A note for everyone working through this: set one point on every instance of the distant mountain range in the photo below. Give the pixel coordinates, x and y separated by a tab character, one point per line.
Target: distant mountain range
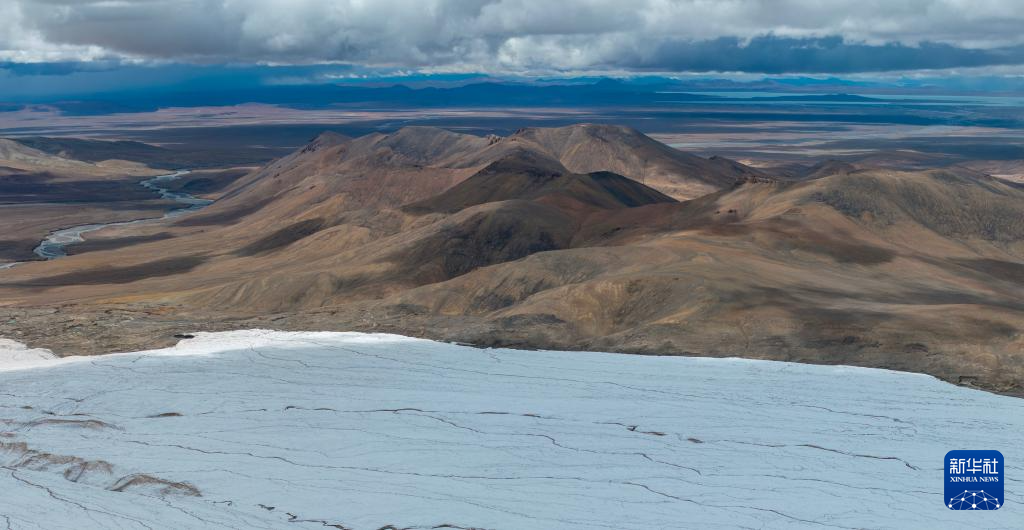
606	92
485	92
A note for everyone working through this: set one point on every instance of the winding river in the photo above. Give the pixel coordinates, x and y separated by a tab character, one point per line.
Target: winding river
55	245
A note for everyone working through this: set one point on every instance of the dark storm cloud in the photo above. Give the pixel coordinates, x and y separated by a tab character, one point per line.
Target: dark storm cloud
62	68
774	55
762	36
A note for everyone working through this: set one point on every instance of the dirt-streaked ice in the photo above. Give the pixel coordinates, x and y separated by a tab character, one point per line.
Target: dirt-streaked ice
259	429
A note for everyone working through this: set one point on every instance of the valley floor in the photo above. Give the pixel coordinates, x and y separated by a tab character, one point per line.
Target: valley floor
261	429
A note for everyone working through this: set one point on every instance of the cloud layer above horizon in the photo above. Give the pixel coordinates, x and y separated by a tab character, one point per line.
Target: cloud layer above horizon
525	36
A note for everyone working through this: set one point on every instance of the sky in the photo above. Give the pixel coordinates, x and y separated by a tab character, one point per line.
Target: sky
42	42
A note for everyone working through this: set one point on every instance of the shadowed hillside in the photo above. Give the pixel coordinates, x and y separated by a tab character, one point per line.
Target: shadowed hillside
581	237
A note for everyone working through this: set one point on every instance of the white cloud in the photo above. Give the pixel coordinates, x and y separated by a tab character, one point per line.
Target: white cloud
485	35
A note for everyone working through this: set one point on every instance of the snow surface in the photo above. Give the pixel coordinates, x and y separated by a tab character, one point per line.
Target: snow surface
261	429
14	355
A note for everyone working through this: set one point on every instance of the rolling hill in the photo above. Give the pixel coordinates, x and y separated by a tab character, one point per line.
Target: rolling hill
583	237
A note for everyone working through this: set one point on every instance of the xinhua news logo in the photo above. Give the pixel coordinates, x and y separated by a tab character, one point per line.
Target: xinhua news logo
974	480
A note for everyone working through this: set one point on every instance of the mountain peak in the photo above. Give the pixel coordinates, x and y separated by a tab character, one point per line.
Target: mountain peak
325	139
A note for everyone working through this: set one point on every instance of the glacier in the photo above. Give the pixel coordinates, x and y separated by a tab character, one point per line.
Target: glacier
269	429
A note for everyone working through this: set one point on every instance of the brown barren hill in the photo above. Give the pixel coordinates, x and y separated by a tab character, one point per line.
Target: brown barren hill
588	148
564	238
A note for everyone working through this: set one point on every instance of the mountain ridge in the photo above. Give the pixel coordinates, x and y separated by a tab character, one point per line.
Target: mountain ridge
496	241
